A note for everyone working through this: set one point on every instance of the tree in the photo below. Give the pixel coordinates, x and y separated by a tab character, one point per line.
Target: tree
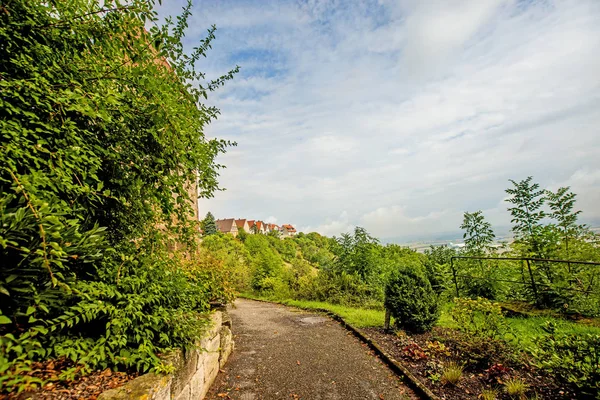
478	235
527	213
358	254
208	224
274	233
561	204
242	234
234	256
437	265
535	239
440	254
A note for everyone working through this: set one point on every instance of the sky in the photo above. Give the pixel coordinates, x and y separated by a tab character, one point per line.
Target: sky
399	116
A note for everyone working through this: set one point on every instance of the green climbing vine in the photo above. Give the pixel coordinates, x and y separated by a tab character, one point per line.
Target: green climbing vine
101	135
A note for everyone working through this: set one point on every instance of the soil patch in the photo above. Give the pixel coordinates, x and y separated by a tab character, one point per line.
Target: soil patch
85	387
487	364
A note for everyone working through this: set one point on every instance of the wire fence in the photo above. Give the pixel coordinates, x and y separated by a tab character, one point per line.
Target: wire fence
545	282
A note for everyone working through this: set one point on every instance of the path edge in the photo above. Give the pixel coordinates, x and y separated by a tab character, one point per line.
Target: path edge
391	362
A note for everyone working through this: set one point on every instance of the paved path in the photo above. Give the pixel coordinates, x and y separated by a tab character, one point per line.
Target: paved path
284	353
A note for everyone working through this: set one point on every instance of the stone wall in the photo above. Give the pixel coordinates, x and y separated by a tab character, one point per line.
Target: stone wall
194	372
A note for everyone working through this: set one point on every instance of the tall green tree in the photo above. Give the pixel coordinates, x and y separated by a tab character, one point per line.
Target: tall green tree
479	238
358	254
437	265
561	204
527	214
441	254
208	224
478	235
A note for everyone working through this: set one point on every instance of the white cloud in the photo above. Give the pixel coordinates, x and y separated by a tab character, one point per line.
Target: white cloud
418	109
585	180
271	220
332	227
393	221
436	30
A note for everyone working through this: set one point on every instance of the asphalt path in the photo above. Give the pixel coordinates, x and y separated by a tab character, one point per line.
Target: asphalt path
285	353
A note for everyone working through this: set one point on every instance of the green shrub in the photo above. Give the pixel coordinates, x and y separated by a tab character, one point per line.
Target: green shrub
341	288
480	317
234	256
574	359
411	300
266	263
482	330
274	287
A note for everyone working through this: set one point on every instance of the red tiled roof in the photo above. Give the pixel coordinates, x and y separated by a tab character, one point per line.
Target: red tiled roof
240	223
289	227
226	225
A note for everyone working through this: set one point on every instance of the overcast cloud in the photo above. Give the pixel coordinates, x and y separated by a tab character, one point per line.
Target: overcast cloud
400	115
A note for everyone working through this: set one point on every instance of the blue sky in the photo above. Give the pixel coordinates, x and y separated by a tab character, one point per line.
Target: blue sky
400	115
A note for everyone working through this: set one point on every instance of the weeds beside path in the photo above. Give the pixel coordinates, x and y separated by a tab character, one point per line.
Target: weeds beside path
357	317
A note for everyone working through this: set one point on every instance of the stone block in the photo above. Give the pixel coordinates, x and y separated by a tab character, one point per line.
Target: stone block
211	367
186	365
145	387
185	394
216	318
211	344
226	320
226	345
197	389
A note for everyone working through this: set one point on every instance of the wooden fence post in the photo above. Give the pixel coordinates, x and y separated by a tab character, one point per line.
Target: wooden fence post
386	325
454	275
537	299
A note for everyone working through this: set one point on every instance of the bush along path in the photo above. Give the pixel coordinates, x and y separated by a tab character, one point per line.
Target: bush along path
284	353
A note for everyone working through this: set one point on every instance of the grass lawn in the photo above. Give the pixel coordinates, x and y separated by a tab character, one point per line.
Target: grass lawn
525	329
358	317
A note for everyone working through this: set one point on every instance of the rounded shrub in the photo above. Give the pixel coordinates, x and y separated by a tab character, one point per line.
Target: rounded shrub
411	299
